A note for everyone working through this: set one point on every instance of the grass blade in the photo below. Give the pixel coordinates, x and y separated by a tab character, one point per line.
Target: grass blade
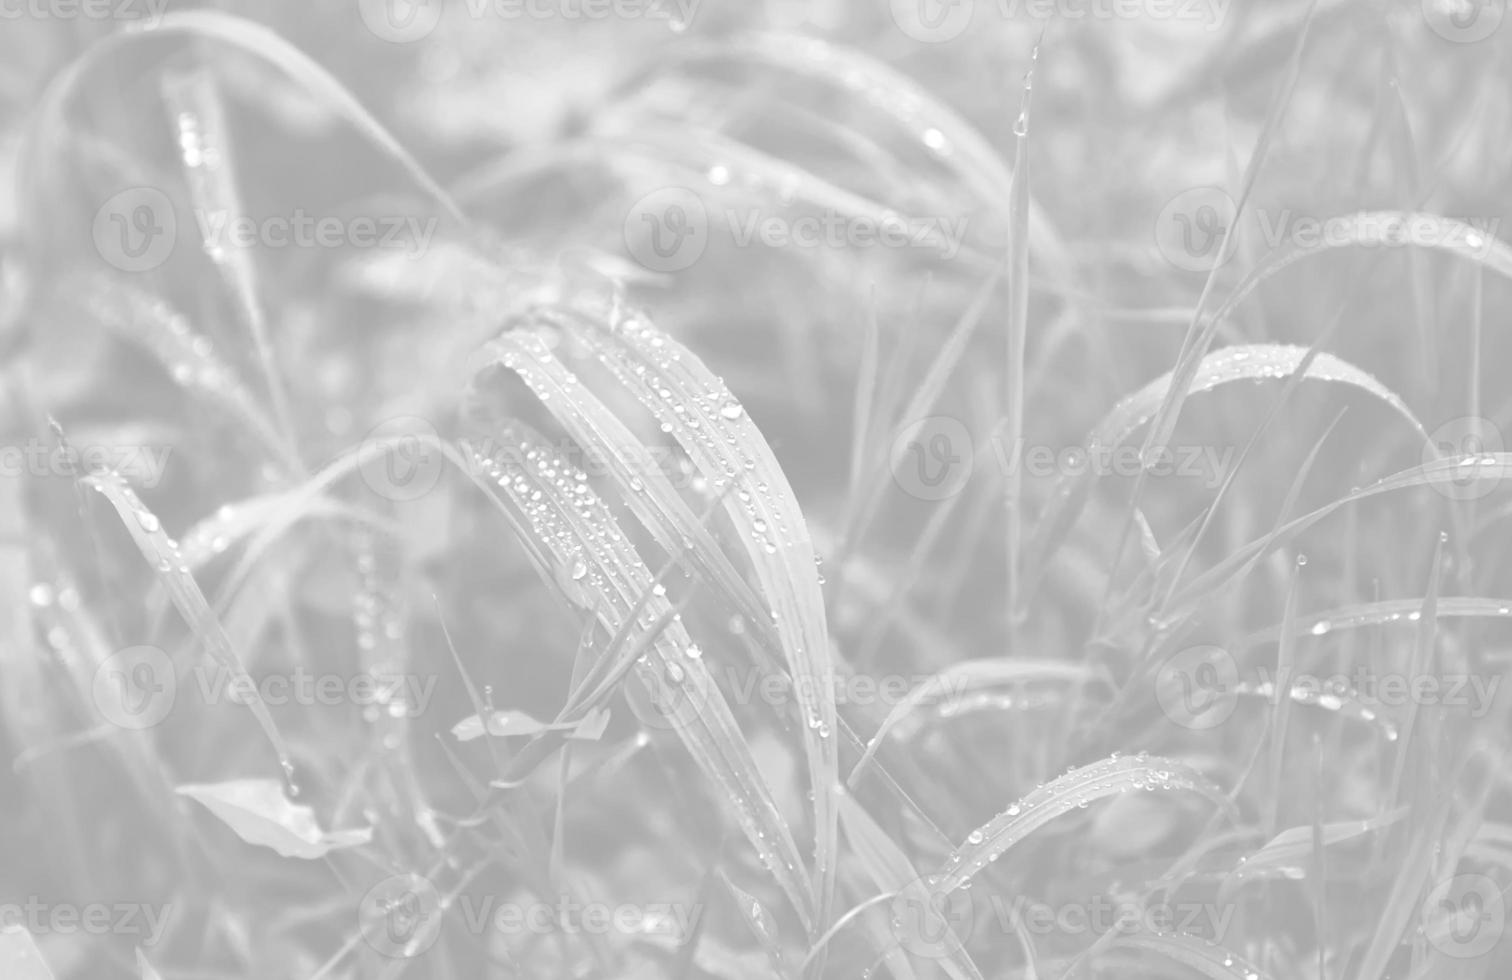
1099	780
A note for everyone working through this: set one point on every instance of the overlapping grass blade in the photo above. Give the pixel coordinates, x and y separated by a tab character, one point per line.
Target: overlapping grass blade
1018	334
585	553
1364	229
927	119
712	427
962	678
759	921
1209	959
244	35
1292	849
1454	471
1386	612
1194	346
1075	789
189	357
162	553
891	870
1248	362
526	350
208	160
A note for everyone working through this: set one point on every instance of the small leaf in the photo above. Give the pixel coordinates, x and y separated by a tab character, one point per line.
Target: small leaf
501	724
259	813
592	727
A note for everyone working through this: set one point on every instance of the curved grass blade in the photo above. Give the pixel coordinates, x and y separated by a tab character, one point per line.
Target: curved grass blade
585	553
892	871
1291	850
1458	471
162	553
759	921
526	350
1364	229
927	119
1248	362
1387	612
1209	959
1110	777
963	678
208	161
712	427
244	35
188	357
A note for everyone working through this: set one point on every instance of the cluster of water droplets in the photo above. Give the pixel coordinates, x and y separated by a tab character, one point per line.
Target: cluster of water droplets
1076	789
379	629
706	421
203	163
212	536
56	604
